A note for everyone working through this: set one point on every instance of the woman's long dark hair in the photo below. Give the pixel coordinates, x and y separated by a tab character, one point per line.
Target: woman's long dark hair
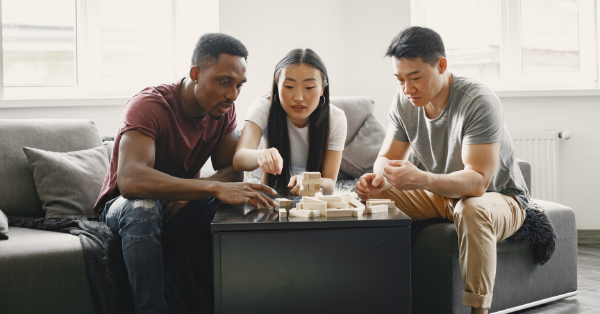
318	127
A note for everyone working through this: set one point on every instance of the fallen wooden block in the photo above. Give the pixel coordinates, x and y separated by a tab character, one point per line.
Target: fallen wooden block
308	199
356	203
317	206
339	205
299	205
331	198
339	213
283	202
377	209
390	204
304	213
358	211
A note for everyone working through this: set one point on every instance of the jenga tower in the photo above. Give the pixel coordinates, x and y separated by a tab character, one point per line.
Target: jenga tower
311	184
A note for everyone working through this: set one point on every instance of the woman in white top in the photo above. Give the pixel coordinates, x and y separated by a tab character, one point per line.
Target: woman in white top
295	131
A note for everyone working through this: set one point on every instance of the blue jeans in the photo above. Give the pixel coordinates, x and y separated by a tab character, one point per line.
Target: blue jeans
140	223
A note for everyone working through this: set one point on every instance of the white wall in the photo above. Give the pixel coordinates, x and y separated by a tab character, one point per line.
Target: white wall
579	166
349	35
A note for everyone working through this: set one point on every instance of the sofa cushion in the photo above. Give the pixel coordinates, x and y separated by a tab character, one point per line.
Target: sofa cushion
44	266
19	196
68	183
3	226
360	155
357	110
109	148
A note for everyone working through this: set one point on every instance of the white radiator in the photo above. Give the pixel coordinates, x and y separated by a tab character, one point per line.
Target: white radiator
540	149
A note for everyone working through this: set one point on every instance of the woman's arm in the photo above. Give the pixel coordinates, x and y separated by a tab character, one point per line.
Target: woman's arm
247	155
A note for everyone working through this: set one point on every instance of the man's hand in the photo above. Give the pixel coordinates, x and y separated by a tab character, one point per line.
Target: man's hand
170	208
369	185
403	175
295	184
248	193
270	161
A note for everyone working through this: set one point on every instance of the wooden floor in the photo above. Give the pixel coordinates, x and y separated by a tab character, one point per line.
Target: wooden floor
587	299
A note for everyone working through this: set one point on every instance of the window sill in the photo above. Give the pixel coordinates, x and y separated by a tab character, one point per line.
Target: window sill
548	93
64	102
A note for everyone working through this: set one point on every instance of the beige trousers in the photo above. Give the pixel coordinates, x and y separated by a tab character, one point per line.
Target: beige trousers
480	223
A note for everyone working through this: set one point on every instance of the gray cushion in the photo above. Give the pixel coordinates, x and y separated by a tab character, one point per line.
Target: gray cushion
357	110
3	226
360	155
20	196
109	145
43	272
68	183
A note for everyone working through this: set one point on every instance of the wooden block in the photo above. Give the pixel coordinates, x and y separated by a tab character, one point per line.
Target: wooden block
339	205
283	202
339	213
304	213
313	206
310	181
358	211
308	199
310	192
377	209
299	205
390	204
282	214
356	203
331	198
310	186
312	175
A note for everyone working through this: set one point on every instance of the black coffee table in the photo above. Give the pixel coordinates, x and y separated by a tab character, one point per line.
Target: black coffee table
310	265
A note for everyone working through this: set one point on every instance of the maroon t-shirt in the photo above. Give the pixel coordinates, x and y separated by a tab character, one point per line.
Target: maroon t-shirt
183	144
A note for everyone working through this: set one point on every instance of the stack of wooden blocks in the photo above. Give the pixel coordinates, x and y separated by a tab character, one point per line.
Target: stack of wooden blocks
310	184
326	206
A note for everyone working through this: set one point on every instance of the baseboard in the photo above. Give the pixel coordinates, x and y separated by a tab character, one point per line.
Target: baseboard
588	236
536	303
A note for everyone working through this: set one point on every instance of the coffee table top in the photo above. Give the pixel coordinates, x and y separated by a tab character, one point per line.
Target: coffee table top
245	217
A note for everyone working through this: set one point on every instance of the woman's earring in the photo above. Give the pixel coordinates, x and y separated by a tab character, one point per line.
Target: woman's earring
323	101
276	98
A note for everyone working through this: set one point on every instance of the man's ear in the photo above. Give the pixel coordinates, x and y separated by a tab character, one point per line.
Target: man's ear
194	72
442	64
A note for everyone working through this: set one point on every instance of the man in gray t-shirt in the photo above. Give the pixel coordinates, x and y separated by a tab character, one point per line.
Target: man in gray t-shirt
462	167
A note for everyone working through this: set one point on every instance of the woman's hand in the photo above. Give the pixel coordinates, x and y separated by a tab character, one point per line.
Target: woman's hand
270	161
295	183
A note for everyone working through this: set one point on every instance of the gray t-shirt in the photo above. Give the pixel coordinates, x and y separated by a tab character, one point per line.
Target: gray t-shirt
473	115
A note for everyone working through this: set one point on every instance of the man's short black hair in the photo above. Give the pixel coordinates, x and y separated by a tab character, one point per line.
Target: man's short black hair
417	42
211	45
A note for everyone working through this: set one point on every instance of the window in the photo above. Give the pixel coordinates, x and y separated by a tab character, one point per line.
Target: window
517	44
65	48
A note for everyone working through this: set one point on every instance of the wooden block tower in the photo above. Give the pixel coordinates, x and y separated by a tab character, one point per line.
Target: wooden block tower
311	184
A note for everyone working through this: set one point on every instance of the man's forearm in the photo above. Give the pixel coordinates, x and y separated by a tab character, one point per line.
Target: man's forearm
225	174
457	184
145	182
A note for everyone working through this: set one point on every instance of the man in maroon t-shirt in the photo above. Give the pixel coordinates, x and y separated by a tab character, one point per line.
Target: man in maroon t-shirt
166	134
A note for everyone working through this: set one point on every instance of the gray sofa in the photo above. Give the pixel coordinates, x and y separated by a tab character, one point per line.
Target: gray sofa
44	271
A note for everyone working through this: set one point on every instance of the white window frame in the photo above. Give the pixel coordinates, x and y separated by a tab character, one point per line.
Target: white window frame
90	83
512	78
